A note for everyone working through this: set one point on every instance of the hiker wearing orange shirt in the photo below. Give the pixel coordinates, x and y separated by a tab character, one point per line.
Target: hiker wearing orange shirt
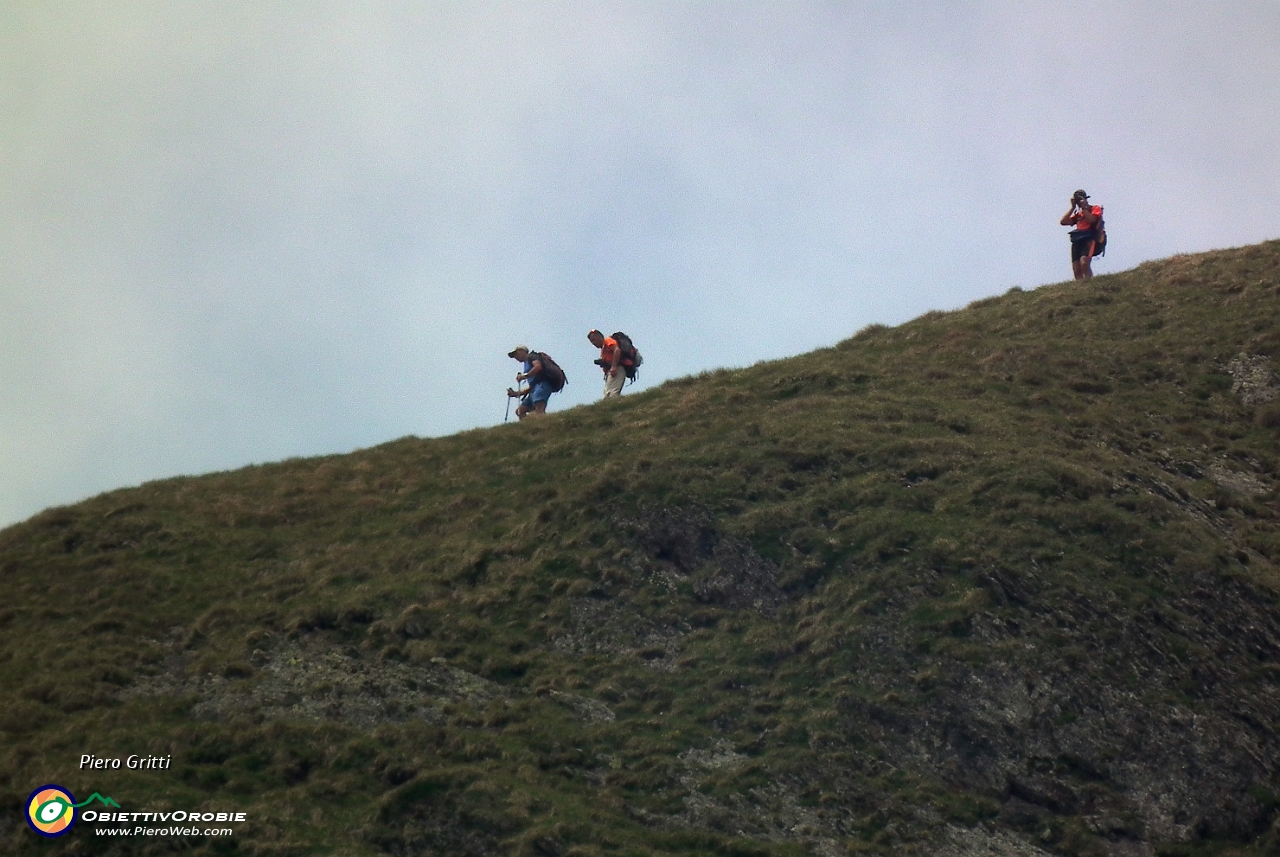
610	361
1084	237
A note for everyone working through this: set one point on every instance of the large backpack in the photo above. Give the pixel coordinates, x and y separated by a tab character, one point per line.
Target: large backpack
631	358
550	370
1100	236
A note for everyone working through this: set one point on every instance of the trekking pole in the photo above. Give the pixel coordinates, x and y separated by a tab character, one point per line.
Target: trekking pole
509	398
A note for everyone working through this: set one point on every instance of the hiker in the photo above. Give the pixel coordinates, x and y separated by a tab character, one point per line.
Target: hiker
618	359
544	378
1085	243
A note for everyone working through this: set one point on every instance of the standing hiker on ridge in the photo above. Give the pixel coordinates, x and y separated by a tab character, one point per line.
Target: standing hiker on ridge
544	378
618	359
1088	237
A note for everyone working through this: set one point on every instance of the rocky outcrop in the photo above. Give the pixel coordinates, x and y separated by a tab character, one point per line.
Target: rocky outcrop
1253	380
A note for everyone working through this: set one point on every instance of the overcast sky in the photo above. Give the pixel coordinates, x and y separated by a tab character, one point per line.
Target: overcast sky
237	232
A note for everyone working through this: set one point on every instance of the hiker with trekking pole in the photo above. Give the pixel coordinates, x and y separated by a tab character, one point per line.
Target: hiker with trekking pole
618	358
1089	235
544	377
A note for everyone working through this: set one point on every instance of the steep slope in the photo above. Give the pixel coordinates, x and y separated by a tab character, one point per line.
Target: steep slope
996	581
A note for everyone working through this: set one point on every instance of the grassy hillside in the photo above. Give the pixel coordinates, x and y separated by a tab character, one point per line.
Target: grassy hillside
1000	581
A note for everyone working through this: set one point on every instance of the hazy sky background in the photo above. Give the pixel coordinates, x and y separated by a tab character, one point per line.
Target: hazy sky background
237	232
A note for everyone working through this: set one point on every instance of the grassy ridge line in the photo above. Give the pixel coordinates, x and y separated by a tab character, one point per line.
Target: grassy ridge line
922	474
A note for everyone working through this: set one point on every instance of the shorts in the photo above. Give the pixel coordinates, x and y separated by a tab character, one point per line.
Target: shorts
613	383
1082	245
540	392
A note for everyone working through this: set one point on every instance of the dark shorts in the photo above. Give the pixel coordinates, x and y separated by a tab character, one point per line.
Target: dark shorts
1082	245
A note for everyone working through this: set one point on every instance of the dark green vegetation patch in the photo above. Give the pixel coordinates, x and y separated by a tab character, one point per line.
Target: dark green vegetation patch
997	581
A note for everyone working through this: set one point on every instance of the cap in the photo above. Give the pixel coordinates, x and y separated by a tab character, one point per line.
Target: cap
512	352
1080	194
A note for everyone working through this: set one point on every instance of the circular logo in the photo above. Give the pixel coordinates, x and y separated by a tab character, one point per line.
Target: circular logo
51	810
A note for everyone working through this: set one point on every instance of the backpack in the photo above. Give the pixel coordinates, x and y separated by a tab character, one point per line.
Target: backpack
550	370
631	358
1100	236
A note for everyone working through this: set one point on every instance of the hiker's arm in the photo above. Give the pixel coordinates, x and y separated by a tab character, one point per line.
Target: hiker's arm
1088	219
535	369
617	359
1066	218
